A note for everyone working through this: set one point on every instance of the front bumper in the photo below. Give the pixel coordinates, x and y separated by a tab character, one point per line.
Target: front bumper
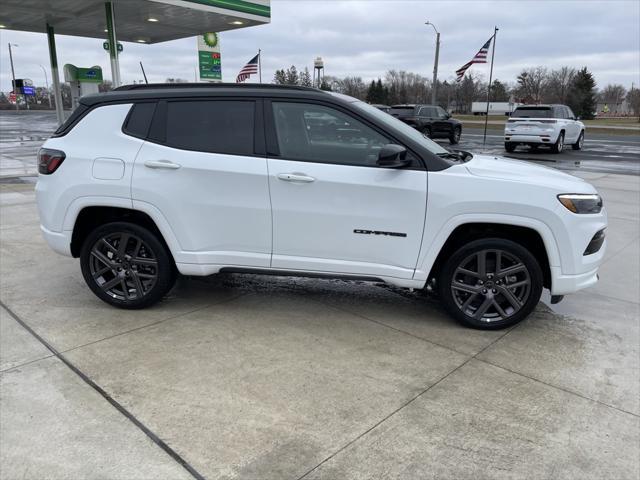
565	284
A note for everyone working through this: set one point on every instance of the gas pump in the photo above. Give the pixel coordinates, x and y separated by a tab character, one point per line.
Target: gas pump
83	81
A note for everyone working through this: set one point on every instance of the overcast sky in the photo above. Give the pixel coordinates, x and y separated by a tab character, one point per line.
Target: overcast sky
367	38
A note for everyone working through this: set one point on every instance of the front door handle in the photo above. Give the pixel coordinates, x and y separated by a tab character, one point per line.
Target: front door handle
295	177
162	164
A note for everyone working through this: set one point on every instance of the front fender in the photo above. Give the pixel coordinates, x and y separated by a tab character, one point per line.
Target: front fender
432	247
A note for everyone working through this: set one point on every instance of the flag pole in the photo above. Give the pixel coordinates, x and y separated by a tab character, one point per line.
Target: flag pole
486	113
260	64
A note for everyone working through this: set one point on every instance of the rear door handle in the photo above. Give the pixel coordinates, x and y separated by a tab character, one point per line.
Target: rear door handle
162	164
295	177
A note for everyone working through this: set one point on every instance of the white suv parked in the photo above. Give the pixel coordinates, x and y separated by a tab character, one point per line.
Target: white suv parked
551	125
147	181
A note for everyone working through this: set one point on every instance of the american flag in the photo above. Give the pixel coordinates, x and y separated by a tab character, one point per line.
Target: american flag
249	69
480	57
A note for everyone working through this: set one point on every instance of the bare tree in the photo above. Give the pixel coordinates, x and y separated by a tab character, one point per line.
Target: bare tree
352	86
531	83
407	87
633	97
470	89
558	85
613	94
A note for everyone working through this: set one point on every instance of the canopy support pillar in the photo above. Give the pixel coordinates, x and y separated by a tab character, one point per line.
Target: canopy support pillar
55	76
113	45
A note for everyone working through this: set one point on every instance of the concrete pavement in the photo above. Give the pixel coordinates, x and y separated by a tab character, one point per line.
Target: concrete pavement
267	377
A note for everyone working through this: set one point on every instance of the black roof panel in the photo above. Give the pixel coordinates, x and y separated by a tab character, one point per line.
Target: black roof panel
184	90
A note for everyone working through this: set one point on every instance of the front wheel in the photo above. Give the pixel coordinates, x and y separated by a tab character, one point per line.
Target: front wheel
509	146
426	131
454	138
126	265
490	283
578	145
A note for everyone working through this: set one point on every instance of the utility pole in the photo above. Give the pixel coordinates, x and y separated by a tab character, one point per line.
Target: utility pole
13	75
434	86
46	82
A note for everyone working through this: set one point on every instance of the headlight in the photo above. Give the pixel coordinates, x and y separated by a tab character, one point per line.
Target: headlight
581	203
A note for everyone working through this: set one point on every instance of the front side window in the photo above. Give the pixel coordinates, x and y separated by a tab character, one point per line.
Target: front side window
215	126
441	113
316	133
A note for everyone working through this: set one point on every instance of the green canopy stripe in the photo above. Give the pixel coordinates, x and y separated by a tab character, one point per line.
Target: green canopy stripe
237	5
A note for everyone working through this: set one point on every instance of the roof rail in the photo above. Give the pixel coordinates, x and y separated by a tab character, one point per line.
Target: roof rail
160	86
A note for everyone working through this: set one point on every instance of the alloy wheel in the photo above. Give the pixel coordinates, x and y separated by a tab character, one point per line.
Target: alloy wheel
123	266
491	285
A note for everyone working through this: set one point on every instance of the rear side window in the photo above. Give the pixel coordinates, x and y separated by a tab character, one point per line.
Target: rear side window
532	112
139	119
215	126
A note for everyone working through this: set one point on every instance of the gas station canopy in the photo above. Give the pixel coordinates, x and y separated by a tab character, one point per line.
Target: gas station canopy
144	21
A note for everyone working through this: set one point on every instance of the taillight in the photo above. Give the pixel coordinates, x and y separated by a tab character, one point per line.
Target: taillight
49	160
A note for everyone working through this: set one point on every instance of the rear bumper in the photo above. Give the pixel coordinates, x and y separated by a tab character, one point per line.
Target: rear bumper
541	139
59	242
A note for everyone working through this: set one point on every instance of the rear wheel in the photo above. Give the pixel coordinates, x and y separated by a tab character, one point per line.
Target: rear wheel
559	145
126	265
509	146
578	145
490	283
454	138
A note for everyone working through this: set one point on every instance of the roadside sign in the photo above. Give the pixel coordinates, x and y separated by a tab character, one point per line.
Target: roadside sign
28	90
12	97
209	59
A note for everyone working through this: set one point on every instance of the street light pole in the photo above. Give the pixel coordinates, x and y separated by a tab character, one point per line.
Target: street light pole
46	82
434	87
13	75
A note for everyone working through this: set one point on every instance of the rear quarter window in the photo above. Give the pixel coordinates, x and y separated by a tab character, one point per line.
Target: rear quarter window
139	119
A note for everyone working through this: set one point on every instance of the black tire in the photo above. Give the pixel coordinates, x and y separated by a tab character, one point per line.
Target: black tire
559	145
579	142
454	138
426	131
143	265
491	288
509	146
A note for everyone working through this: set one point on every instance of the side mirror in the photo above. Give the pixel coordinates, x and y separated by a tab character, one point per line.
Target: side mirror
393	156
577	118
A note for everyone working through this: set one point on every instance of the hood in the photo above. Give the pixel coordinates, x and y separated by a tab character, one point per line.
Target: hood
527	172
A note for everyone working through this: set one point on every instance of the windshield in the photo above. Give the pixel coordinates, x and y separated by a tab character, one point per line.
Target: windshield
396	124
532	113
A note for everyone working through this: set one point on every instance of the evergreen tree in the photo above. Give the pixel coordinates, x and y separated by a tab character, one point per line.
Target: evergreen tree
372	93
305	78
291	76
280	77
583	95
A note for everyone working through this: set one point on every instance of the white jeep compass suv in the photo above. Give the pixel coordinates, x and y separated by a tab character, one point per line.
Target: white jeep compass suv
537	125
150	180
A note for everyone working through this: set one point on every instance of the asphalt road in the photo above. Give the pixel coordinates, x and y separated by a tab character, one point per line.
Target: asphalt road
601	153
22	133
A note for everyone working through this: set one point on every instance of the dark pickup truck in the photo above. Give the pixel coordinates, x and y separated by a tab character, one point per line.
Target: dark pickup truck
431	120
